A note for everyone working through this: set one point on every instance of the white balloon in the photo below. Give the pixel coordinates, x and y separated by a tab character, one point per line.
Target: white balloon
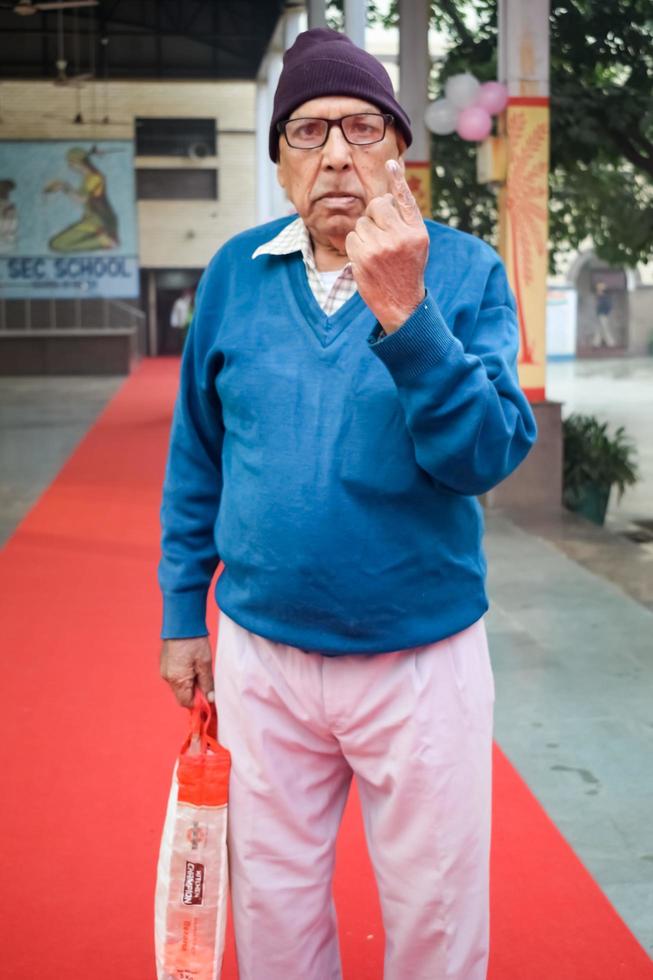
441	117
462	90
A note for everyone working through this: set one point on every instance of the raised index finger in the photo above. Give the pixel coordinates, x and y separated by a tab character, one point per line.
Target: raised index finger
406	203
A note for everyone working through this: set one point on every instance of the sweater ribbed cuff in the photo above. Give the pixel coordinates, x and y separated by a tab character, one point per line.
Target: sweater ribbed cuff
423	341
184	615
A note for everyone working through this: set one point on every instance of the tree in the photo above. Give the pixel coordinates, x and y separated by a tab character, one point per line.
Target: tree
601	182
602	127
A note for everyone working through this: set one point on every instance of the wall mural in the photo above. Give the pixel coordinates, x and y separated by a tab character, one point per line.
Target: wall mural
67	220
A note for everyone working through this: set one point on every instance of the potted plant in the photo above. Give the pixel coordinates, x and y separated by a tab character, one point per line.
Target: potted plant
594	462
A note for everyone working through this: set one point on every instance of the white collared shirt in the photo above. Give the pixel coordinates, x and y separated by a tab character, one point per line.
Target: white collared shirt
330	293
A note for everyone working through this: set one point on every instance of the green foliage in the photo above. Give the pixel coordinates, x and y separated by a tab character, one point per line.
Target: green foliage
376	14
602	127
591	455
601	123
457	198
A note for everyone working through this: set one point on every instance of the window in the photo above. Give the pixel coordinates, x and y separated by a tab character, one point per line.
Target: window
176	185
176	137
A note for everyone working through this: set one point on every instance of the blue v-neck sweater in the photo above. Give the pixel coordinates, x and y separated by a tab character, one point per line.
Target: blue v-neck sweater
333	470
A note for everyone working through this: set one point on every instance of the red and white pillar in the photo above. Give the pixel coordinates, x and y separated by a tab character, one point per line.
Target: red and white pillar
523	201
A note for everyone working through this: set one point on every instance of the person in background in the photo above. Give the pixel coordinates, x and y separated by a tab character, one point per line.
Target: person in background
349	386
181	314
603	333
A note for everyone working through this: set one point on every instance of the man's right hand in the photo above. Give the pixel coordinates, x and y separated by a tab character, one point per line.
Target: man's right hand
185	663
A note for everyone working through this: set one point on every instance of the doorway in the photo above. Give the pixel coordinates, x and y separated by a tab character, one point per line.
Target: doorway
165	287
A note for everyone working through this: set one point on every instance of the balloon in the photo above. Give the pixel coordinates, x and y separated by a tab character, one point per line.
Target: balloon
441	117
474	123
462	90
493	97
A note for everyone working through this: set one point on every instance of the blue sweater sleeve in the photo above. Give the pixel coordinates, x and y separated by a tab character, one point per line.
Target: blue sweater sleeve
192	487
469	420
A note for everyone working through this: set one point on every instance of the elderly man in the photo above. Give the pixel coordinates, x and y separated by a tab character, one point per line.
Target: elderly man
348	387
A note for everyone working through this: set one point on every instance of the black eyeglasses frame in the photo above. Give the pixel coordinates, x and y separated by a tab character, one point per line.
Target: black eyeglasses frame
388	120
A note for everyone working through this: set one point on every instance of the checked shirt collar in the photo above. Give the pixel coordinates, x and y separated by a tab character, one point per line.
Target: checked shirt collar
295	238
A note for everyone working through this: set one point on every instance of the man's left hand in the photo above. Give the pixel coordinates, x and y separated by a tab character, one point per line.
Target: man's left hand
388	250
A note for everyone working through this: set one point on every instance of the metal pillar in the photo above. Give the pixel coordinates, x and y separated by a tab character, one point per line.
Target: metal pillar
152	323
414	67
270	198
316	10
356	21
262	189
278	200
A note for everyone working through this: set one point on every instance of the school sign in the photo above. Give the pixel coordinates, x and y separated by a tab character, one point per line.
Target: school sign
67	220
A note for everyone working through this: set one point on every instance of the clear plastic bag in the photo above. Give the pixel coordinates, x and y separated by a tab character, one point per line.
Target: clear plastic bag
190	909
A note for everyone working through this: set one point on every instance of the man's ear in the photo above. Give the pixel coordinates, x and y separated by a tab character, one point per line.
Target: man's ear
281	175
401	151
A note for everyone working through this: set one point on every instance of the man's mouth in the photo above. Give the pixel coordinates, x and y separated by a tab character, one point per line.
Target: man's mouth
338	197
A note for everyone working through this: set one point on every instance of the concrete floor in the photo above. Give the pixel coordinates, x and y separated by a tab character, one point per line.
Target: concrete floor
570	623
41	421
573	667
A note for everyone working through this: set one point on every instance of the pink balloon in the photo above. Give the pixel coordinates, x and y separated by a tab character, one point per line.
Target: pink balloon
474	123
493	97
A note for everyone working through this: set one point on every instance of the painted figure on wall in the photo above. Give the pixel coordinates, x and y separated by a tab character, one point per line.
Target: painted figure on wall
8	216
98	227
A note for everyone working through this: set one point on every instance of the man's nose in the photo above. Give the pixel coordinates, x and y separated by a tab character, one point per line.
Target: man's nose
336	152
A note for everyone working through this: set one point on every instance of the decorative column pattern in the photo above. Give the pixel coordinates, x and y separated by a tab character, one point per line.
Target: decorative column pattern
523	202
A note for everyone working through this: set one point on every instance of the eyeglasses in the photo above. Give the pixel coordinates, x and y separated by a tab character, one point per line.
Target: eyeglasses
359	129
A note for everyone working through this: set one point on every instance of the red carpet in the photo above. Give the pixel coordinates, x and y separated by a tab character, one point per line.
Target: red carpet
89	735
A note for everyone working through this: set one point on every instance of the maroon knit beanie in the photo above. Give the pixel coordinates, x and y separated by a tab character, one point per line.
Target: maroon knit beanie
324	62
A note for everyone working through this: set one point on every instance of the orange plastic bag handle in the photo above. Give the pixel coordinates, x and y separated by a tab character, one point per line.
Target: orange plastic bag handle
204	764
203	725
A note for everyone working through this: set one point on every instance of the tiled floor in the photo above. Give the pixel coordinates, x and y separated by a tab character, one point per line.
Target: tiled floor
570	639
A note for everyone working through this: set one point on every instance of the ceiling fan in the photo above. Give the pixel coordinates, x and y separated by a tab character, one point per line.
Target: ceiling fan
27	7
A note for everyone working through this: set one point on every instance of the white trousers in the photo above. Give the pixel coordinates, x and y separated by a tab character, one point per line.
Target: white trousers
602	332
415	727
